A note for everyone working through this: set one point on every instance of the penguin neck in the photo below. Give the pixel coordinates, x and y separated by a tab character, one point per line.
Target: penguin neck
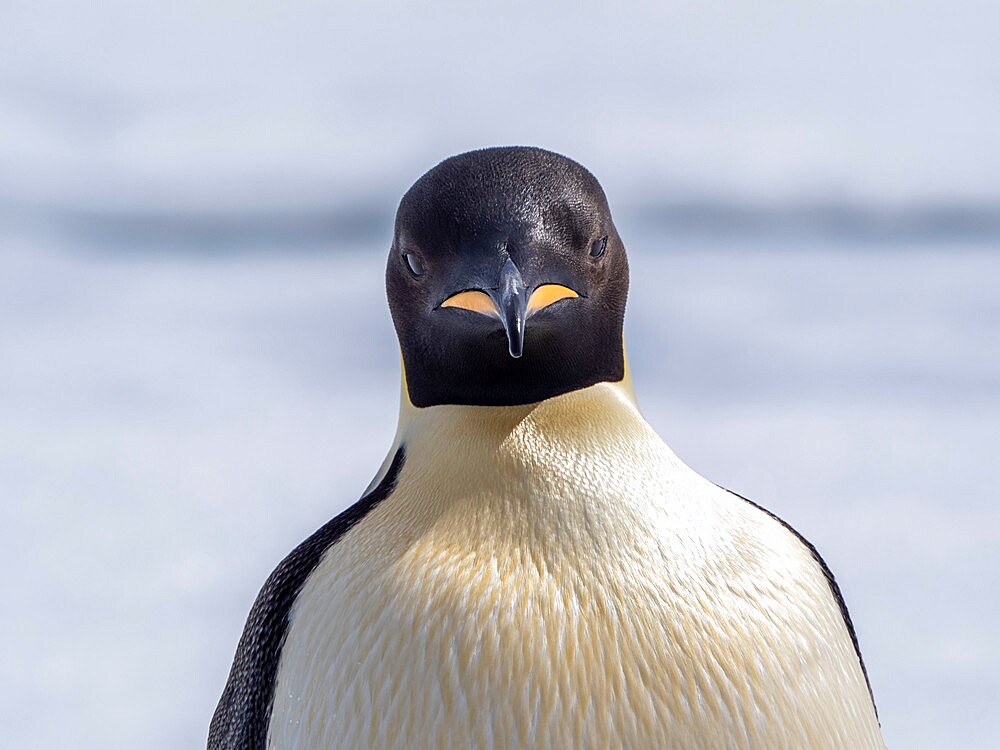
581	414
465	437
582	460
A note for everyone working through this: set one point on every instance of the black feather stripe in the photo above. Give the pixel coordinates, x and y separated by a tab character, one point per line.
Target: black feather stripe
244	711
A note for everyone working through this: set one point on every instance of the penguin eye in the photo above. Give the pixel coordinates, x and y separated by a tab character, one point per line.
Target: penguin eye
414	263
597	249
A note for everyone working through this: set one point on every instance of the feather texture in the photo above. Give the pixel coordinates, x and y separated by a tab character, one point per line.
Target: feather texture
552	575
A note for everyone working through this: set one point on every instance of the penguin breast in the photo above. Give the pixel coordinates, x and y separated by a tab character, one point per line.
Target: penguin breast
556	585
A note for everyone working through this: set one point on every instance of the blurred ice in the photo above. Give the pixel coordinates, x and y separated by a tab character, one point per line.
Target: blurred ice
198	106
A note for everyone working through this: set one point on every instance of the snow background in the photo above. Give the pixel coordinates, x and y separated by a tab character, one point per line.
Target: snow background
197	367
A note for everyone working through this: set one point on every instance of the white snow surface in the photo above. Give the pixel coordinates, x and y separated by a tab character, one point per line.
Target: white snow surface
172	425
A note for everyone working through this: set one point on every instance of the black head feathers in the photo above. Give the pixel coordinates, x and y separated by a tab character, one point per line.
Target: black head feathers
506	280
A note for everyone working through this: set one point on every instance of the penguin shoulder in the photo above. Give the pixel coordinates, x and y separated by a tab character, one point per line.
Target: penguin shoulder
243	713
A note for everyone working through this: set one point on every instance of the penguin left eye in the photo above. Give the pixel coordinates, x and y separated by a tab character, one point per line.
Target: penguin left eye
597	249
414	263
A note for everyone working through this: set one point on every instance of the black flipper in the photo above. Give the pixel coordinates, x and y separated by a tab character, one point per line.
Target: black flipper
244	711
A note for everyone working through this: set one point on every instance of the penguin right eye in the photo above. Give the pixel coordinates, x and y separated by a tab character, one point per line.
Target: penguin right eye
597	249
414	263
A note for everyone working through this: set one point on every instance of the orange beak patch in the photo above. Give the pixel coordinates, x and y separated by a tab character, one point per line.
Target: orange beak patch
474	300
546	294
482	303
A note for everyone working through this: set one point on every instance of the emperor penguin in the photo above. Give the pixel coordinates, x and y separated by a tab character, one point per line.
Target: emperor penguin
532	566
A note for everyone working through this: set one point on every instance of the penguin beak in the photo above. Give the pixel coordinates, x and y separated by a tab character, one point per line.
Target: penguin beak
510	303
511	298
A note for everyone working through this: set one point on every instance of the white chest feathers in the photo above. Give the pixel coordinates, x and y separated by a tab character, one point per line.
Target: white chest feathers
554	577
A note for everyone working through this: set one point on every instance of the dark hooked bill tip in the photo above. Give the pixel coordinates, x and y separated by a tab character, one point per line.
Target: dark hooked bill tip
512	300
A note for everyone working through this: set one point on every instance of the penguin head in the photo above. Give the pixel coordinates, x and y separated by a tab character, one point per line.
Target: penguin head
506	280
